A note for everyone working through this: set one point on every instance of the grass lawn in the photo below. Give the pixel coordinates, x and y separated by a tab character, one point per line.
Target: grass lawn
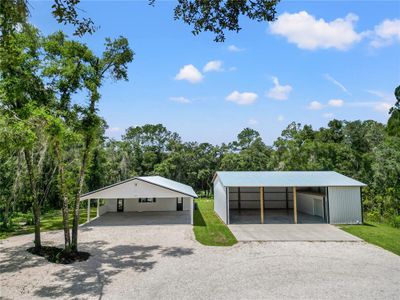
208	228
51	220
382	235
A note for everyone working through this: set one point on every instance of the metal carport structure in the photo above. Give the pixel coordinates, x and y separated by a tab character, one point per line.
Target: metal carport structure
334	196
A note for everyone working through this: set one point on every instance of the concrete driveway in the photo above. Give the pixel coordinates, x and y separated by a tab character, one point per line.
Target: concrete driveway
141	218
290	233
165	262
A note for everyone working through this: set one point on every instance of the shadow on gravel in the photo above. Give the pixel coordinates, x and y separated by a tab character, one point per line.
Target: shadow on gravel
17	259
89	278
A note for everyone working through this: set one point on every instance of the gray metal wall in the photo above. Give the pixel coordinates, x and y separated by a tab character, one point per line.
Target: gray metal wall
220	203
345	205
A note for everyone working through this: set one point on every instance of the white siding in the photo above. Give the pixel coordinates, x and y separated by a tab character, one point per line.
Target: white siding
161	204
220	200
345	205
311	204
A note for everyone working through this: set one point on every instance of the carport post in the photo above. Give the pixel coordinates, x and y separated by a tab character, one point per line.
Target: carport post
98	206
294	205
88	210
262	204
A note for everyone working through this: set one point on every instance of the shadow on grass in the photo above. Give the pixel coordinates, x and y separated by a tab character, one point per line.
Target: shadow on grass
198	218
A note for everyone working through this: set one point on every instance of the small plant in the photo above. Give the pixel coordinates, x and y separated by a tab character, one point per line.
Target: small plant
395	222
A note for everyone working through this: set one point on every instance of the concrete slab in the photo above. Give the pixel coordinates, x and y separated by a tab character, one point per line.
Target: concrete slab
272	216
290	232
141	218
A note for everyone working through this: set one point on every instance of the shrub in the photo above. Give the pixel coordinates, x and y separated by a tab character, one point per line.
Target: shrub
395	222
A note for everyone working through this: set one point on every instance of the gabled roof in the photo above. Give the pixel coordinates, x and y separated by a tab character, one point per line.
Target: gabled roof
159	181
169	184
285	179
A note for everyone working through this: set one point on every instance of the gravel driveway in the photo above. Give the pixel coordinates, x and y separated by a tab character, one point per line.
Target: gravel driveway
164	261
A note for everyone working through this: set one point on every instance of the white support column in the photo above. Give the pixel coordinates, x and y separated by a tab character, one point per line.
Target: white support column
191	210
88	210
98	208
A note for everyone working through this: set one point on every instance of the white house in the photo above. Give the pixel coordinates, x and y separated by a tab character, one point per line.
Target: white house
287	197
143	194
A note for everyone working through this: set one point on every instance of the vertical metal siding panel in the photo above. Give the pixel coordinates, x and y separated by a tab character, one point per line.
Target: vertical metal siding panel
344	205
220	200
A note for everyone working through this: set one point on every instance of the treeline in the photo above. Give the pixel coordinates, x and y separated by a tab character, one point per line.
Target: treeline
361	149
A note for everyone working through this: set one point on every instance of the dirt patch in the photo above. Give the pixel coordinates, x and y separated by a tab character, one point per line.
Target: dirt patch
58	255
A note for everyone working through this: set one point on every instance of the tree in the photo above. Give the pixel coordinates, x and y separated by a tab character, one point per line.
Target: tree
113	63
393	125
215	16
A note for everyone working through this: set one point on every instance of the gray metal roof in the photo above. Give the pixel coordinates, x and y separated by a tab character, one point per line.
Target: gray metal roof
156	180
169	184
285	179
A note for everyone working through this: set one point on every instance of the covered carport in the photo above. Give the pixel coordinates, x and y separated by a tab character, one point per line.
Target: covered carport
287	197
142	200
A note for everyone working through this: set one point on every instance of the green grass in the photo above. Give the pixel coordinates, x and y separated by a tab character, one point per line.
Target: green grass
382	235
51	220
208	228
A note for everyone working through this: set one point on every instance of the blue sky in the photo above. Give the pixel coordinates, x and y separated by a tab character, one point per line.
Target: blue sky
318	61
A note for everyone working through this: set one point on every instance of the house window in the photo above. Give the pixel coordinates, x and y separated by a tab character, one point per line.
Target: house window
147	200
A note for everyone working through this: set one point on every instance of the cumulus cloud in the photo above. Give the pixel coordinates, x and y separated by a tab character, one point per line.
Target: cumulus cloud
180	99
213	66
244	98
315	105
310	33
189	73
336	82
279	92
336	102
385	33
234	48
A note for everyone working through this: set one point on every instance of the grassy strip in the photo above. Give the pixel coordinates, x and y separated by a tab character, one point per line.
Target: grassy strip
208	228
382	235
51	220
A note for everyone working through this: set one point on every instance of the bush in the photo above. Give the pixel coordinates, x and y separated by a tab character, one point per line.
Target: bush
373	216
395	222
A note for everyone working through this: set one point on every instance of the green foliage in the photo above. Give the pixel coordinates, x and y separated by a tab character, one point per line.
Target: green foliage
218	16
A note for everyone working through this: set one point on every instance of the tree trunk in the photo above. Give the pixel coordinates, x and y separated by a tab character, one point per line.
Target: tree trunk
35	200
75	222
64	209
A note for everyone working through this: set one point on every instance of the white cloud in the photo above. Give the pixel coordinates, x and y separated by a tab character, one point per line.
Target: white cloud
281	118
337	83
336	102
244	98
310	33
279	92
382	106
385	33
252	122
113	129
180	99
213	66
328	115
315	105
232	69
234	48
189	73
